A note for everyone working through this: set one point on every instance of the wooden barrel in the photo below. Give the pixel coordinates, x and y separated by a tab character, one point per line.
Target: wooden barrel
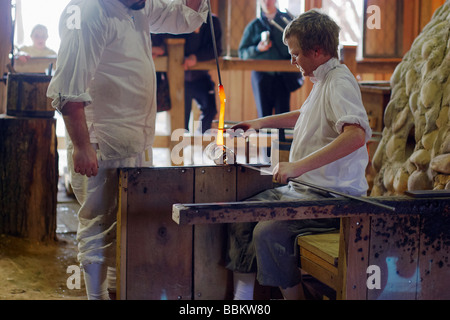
27	96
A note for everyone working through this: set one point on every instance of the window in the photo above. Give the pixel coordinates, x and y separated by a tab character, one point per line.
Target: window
348	14
295	7
32	12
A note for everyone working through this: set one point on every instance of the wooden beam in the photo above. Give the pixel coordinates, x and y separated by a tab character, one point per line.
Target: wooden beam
368	65
35	64
5	46
229	63
353	248
248	211
386	65
175	73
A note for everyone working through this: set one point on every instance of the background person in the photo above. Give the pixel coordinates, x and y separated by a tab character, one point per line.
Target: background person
262	40
39	36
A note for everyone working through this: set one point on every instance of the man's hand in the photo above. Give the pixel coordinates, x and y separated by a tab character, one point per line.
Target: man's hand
158	51
24	58
190	61
85	161
84	156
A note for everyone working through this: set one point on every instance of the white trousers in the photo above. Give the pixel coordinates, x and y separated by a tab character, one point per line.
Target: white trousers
98	197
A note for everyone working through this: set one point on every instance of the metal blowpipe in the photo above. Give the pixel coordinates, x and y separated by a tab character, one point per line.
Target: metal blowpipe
310	185
213	35
222	96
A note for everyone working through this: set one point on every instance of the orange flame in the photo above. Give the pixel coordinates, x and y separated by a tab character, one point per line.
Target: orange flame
221	129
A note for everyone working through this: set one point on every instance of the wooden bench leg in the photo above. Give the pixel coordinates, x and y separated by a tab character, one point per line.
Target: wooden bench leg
353	258
347	274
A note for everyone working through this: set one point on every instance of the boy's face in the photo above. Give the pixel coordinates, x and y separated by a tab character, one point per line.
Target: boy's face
304	62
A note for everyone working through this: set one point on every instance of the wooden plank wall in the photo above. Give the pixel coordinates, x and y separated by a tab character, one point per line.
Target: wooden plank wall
158	259
5	47
147	251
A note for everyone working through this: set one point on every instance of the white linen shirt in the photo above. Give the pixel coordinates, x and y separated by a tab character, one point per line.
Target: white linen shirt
106	62
334	101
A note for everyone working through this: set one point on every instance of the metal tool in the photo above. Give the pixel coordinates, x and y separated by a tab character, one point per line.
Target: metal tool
221	90
286	20
222	155
330	191
213	35
276	25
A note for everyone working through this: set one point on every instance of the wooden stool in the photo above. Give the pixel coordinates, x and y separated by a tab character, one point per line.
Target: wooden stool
319	257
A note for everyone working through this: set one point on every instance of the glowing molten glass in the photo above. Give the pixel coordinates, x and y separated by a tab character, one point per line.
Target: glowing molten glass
221	129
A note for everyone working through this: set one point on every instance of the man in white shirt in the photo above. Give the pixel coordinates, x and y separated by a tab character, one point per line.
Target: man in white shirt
105	88
328	149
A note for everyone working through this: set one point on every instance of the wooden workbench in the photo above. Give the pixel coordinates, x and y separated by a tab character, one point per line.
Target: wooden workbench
411	246
158	259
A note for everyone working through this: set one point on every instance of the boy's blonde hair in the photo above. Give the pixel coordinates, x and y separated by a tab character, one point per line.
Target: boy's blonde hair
314	29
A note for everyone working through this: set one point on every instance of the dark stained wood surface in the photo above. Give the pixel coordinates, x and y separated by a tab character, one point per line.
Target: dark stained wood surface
29	178
158	259
302	209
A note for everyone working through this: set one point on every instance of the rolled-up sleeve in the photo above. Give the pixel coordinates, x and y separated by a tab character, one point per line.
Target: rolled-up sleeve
347	108
78	58
175	17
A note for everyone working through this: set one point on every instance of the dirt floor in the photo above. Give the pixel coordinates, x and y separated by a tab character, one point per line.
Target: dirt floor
37	271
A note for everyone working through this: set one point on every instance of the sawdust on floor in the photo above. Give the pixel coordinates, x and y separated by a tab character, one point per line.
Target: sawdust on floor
38	271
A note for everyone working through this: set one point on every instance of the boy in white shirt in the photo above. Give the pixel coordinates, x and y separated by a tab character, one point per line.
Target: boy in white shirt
328	149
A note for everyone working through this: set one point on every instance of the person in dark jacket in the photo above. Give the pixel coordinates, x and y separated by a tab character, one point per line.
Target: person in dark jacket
262	39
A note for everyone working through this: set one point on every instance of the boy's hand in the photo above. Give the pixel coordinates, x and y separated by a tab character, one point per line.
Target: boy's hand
283	171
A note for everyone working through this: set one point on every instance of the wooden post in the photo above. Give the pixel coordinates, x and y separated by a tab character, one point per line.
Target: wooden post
209	240
5	47
353	248
175	74
29	177
348	57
